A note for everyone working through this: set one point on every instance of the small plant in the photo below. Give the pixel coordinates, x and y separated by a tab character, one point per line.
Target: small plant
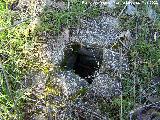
16	45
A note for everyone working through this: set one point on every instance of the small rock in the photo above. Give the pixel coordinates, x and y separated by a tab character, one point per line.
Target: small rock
112	3
152	14
158	2
70	82
131	9
147	112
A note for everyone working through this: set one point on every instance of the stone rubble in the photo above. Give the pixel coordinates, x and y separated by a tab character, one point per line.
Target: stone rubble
100	31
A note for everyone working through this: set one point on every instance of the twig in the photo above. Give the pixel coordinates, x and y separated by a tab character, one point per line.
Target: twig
122	11
123	44
120	76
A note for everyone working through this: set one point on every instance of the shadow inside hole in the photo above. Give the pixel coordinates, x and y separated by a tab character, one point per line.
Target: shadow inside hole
84	61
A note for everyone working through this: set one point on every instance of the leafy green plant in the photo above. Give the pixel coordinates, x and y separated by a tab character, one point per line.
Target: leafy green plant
55	21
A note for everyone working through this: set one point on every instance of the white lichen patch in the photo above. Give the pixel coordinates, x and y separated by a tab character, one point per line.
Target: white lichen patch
102	30
115	61
105	86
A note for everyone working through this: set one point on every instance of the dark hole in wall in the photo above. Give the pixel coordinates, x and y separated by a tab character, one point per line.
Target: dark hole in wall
84	61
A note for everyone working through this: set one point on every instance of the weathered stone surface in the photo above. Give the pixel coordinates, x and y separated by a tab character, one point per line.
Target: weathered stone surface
104	86
55	46
70	82
151	92
147	112
114	61
55	4
80	110
101	31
